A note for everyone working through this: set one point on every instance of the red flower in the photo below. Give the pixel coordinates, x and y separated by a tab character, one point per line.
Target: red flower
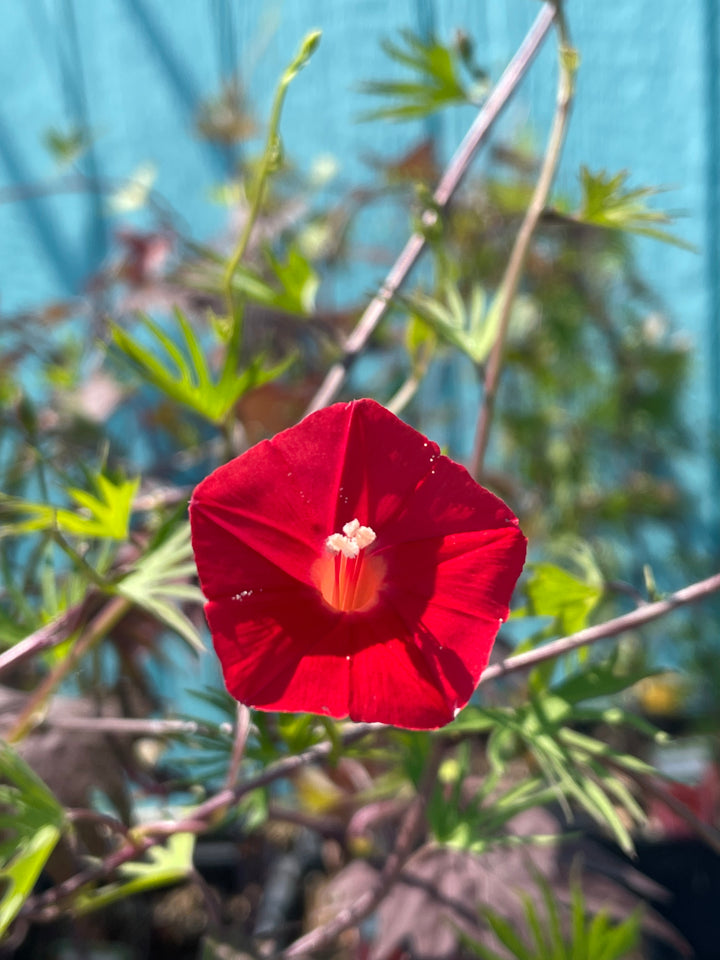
352	570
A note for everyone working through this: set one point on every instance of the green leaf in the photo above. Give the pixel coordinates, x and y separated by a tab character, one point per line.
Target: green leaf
167	864
554	592
587	938
31	827
187	378
298	281
438	82
20	875
508	937
107	511
465	325
598	680
293	292
621	940
472	720
606	202
573	766
596	801
158	584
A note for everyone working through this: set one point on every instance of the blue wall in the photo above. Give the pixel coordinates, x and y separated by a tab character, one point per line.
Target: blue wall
135	71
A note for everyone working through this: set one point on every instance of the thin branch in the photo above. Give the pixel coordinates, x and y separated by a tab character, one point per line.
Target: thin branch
242	729
47	905
53	633
611	628
133	726
77	815
516	263
449	183
317	940
404	394
110	614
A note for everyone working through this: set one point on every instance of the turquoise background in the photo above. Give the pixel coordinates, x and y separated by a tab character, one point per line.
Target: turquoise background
135	72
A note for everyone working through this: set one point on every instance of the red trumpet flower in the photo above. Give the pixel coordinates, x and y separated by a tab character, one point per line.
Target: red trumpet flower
351	570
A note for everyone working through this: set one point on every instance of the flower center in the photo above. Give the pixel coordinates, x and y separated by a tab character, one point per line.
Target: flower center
346	577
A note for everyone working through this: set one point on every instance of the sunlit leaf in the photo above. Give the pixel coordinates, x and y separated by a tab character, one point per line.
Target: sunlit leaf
30	826
573	766
184	374
159	584
102	513
587	936
599	680
465	324
293	291
607	202
553	592
171	862
438	80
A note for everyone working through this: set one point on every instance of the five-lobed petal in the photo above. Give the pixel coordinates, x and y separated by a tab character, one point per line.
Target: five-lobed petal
309	612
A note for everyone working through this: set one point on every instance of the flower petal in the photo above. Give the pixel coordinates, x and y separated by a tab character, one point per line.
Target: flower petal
447	501
279	498
450	553
384	461
391	681
280	650
472	573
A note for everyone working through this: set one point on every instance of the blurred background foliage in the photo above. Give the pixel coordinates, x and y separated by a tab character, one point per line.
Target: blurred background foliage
114	403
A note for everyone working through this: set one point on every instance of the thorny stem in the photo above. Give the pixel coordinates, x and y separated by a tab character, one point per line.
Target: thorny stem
111	613
516	263
449	183
319	939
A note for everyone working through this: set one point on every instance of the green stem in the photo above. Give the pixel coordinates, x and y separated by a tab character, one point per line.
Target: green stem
514	270
267	164
79	561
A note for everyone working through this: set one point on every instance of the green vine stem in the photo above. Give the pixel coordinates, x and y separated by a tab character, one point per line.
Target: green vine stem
269	162
567	66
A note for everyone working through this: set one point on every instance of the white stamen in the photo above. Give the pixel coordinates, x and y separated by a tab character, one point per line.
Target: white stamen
364	537
350	529
344	545
355	539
